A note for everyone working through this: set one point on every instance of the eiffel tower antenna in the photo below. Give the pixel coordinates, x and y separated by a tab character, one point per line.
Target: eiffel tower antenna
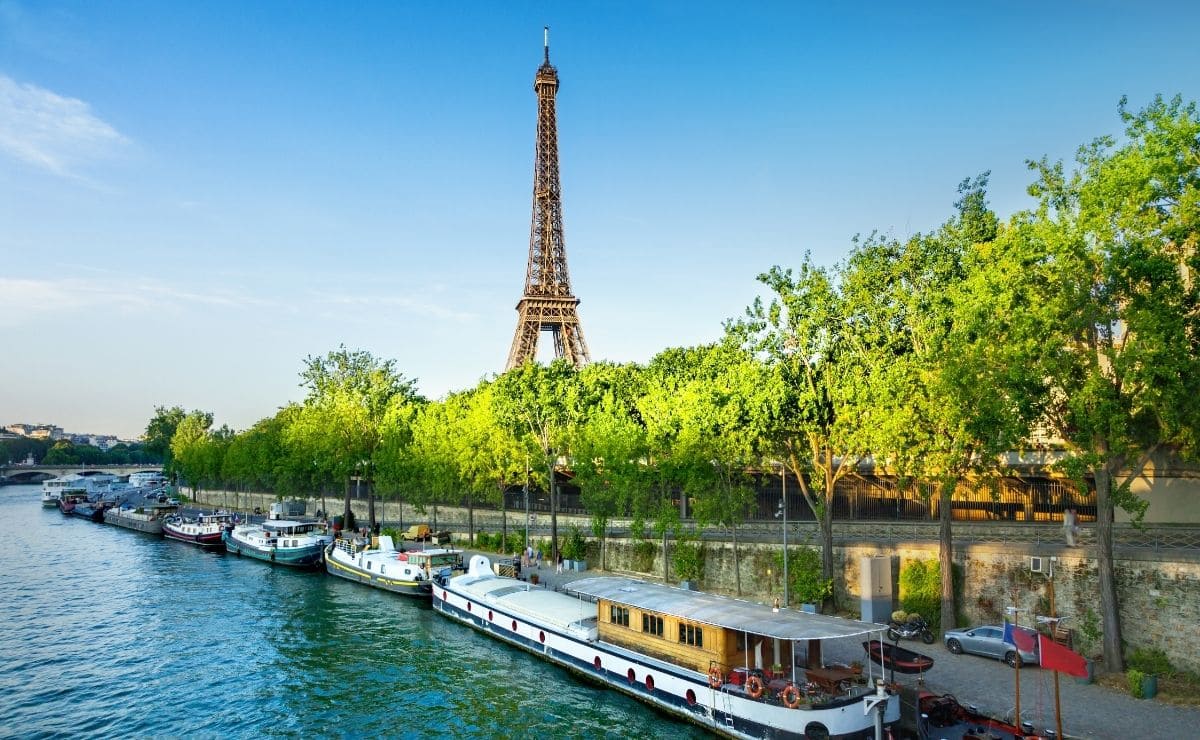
547	304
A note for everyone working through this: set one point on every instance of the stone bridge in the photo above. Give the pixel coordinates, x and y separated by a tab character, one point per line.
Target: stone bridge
17	474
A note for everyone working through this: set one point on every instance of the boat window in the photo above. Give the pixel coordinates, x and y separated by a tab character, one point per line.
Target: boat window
618	615
652	624
690	634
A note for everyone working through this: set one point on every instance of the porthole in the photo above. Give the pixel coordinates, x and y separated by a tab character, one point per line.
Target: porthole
649	682
691	697
596	662
514	625
542	637
469	606
490	617
631	676
816	731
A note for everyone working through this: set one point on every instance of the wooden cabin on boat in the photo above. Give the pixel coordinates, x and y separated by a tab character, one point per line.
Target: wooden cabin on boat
704	632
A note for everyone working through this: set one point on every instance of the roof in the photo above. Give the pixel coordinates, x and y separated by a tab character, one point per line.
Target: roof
720	611
537	604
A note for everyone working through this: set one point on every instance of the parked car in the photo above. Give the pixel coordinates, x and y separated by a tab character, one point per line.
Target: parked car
987	640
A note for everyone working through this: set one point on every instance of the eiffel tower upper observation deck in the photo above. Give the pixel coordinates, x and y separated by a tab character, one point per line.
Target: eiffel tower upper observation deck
547	304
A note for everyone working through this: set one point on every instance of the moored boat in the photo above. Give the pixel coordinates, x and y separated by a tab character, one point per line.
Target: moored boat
148	518
55	489
282	541
942	717
204	530
894	657
382	567
694	655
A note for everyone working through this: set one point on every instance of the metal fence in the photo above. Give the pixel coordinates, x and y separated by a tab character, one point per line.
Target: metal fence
875	498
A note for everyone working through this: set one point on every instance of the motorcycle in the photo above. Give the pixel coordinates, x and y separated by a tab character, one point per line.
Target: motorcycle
909	626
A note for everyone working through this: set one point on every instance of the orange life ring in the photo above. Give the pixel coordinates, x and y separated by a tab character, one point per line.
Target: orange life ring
790	696
714	677
754	687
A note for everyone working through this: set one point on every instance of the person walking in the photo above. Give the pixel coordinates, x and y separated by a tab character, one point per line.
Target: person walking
558	568
1070	526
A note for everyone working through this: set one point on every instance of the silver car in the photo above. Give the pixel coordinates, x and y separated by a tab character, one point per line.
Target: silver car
987	640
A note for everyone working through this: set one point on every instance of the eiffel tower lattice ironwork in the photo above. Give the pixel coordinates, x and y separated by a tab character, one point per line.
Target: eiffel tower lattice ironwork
548	303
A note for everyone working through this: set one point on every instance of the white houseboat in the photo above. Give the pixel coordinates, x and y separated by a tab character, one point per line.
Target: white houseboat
90	485
408	572
699	656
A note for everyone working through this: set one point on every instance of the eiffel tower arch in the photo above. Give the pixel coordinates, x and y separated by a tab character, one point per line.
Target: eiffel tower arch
547	303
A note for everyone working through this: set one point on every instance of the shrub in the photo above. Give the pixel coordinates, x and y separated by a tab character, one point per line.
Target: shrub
921	590
805	585
643	556
575	547
1134	677
1088	633
688	560
1150	661
516	541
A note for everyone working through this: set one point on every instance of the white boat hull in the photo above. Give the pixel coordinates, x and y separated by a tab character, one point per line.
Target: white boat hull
670	688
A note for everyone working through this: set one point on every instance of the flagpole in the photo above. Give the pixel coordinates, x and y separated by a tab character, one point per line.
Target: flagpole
1016	666
1053	633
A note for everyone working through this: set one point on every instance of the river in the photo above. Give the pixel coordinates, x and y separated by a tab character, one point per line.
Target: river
110	632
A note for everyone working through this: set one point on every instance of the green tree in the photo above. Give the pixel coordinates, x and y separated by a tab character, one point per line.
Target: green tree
820	364
1113	248
340	423
703	410
958	389
538	404
191	451
160	430
608	446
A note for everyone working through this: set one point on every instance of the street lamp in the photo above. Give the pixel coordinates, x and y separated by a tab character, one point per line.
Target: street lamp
526	489
782	512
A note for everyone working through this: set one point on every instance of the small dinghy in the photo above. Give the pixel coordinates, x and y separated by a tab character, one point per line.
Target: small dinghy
901	660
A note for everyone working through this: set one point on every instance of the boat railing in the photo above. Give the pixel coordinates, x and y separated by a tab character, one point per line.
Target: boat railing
776	687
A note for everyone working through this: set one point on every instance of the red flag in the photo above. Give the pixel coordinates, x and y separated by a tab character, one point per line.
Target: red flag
1019	636
1055	657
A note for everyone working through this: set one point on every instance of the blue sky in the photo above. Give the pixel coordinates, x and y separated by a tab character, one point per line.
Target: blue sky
196	196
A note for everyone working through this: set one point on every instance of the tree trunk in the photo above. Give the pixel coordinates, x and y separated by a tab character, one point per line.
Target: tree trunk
371	504
471	521
503	520
553	513
737	568
827	540
1110	614
347	515
666	569
946	554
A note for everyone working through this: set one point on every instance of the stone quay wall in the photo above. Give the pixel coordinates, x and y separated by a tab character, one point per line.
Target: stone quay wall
1158	590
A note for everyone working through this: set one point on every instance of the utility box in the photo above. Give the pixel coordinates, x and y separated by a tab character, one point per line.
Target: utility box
875	588
287	509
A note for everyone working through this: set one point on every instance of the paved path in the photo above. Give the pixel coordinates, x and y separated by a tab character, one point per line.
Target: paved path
1089	710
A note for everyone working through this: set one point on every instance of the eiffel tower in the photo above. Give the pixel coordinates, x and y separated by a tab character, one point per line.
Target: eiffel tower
547	303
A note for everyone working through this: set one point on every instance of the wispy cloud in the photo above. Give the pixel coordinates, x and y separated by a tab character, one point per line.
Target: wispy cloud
405	304
31	299
51	132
